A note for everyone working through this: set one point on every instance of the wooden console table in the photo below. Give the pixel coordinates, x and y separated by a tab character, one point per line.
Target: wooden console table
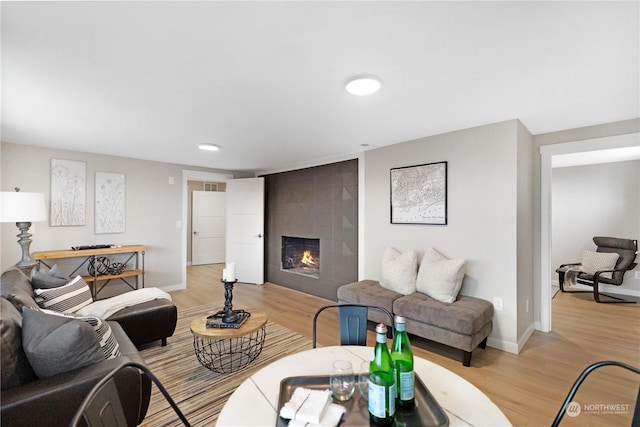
136	252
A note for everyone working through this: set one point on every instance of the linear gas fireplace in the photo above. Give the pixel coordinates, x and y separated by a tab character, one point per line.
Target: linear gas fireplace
301	256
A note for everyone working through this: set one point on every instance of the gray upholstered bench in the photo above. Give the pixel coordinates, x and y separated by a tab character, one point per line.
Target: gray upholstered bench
464	324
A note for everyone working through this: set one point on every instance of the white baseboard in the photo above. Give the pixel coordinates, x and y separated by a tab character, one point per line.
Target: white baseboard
502	345
530	330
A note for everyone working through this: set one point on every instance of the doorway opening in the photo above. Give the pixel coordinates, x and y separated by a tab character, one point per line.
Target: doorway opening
185	222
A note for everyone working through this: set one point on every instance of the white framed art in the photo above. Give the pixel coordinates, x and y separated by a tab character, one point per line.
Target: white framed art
110	212
68	193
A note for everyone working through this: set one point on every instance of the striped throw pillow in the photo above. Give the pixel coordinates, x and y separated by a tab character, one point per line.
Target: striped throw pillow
108	342
68	298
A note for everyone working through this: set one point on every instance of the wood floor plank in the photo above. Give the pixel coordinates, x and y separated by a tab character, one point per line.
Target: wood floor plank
529	387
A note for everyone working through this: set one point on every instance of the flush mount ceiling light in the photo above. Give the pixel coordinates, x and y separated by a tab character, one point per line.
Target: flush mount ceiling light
363	85
208	147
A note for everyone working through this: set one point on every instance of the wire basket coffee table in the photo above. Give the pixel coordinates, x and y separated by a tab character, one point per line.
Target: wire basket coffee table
226	350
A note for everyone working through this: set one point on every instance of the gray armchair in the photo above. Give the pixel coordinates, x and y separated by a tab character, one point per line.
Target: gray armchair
627	251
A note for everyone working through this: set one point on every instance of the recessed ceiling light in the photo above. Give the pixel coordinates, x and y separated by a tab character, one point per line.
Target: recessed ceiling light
208	147
363	86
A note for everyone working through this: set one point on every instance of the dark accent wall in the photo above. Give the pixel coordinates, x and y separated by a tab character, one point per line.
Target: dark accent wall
318	202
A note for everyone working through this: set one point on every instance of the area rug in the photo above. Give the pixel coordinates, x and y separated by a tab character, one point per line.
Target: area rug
199	392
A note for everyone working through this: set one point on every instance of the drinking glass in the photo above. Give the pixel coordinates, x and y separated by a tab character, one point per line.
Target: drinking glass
363	380
342	380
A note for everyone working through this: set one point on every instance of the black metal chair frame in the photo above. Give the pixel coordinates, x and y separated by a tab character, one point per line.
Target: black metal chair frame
107	385
563	269
580	380
359	310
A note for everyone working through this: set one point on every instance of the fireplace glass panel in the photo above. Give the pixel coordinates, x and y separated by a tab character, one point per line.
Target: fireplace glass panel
301	255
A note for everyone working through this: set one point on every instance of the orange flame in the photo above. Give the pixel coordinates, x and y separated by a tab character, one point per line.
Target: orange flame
307	258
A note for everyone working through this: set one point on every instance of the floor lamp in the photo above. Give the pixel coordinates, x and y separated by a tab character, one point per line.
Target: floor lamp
23	209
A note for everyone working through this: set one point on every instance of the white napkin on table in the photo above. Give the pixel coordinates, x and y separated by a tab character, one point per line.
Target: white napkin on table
306	405
331	418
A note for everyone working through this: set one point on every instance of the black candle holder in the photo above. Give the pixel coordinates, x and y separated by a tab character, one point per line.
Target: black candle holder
229	316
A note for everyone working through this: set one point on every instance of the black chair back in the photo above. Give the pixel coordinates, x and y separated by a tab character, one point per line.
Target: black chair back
353	322
102	406
626	249
580	380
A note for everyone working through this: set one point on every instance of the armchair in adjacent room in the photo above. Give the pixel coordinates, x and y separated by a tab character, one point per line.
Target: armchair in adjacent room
608	264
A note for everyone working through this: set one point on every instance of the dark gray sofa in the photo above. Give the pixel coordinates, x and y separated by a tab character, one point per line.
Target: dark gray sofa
28	400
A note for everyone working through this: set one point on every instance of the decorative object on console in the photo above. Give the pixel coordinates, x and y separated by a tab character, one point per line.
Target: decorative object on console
23	209
116	267
98	266
419	194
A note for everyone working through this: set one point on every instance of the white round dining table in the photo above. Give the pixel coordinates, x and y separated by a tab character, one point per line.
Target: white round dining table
255	401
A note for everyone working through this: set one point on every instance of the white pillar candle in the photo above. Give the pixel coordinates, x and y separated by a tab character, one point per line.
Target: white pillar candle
231	271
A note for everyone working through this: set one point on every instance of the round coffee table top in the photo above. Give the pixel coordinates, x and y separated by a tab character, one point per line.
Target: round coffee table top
256	321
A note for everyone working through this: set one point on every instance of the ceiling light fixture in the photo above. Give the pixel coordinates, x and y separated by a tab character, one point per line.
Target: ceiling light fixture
363	85
208	147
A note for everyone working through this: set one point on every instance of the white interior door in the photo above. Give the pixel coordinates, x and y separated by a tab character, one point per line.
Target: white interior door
209	211
245	228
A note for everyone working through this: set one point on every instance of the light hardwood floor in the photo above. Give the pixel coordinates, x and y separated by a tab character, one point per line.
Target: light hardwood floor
529	387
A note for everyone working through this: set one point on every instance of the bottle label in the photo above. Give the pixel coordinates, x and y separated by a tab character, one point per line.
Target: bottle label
377	399
406	385
393	392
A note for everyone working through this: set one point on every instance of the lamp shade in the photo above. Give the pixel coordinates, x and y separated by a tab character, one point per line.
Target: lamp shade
22	207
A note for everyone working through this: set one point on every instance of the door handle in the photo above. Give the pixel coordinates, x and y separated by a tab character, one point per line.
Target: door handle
195	232
258	236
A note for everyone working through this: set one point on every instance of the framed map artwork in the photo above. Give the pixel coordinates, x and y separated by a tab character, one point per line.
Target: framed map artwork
419	194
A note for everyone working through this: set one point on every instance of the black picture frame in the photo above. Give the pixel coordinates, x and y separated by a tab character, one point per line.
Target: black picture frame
419	194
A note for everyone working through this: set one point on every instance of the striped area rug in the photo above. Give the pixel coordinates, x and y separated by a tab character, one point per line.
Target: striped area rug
199	392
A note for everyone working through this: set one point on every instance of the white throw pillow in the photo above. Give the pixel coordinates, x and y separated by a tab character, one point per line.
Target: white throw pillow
398	272
598	261
440	277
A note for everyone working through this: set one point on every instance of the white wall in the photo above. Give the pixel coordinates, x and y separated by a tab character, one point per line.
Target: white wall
153	208
482	213
606	199
526	323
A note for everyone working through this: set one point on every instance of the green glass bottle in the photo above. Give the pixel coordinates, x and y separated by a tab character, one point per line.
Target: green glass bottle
403	358
382	381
